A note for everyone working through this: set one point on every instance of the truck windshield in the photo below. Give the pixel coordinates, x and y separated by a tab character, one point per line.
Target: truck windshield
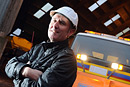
110	50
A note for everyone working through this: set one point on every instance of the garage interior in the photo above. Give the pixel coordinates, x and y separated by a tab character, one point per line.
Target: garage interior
104	16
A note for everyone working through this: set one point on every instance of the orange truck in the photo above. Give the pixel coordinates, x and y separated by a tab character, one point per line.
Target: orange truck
102	60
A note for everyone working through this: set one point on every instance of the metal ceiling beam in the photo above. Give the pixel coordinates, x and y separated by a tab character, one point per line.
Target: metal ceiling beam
111	11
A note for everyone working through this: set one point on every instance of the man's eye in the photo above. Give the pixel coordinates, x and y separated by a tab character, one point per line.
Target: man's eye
62	23
54	20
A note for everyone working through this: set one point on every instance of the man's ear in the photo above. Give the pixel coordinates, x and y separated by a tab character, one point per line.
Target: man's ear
71	32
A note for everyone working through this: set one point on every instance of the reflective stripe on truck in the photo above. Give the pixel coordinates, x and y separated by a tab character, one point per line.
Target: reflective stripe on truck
104	72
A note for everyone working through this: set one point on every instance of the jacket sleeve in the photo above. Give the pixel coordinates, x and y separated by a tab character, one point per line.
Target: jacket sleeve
62	73
15	65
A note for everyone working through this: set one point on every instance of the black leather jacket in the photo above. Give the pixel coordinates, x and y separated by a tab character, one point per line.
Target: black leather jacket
55	60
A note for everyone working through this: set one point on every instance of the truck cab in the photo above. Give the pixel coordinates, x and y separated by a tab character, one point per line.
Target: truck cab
102	60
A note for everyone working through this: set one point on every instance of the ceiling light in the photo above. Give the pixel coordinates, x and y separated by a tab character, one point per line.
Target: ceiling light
47	7
116	17
11	35
119	34
126	30
39	14
17	32
93	7
108	22
100	2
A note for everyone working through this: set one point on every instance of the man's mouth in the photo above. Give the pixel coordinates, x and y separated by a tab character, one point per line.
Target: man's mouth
54	31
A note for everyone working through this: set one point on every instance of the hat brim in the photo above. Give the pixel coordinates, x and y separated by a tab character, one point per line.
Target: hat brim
52	12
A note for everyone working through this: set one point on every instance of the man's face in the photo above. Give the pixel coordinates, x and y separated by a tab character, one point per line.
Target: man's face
59	28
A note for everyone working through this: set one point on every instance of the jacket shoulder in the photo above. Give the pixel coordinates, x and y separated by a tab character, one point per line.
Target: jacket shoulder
67	51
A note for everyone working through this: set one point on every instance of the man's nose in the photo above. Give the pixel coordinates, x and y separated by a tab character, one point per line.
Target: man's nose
55	25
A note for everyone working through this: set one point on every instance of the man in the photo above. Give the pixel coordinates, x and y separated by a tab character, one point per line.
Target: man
52	63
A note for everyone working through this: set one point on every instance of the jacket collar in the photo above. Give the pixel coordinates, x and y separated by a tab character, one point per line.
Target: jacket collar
55	45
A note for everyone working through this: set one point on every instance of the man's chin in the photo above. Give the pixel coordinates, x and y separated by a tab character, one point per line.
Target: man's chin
52	39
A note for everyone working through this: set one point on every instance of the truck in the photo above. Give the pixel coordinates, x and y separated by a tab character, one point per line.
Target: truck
102	60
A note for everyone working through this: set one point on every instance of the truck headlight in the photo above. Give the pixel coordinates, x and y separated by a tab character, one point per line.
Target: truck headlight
82	57
120	67
114	66
117	66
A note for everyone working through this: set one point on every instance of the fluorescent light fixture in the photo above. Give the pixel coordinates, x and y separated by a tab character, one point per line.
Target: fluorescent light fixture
11	35
17	32
108	22
39	14
116	17
100	2
119	34
93	7
126	30
47	7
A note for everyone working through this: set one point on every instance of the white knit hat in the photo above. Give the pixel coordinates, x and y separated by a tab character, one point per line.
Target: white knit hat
69	13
